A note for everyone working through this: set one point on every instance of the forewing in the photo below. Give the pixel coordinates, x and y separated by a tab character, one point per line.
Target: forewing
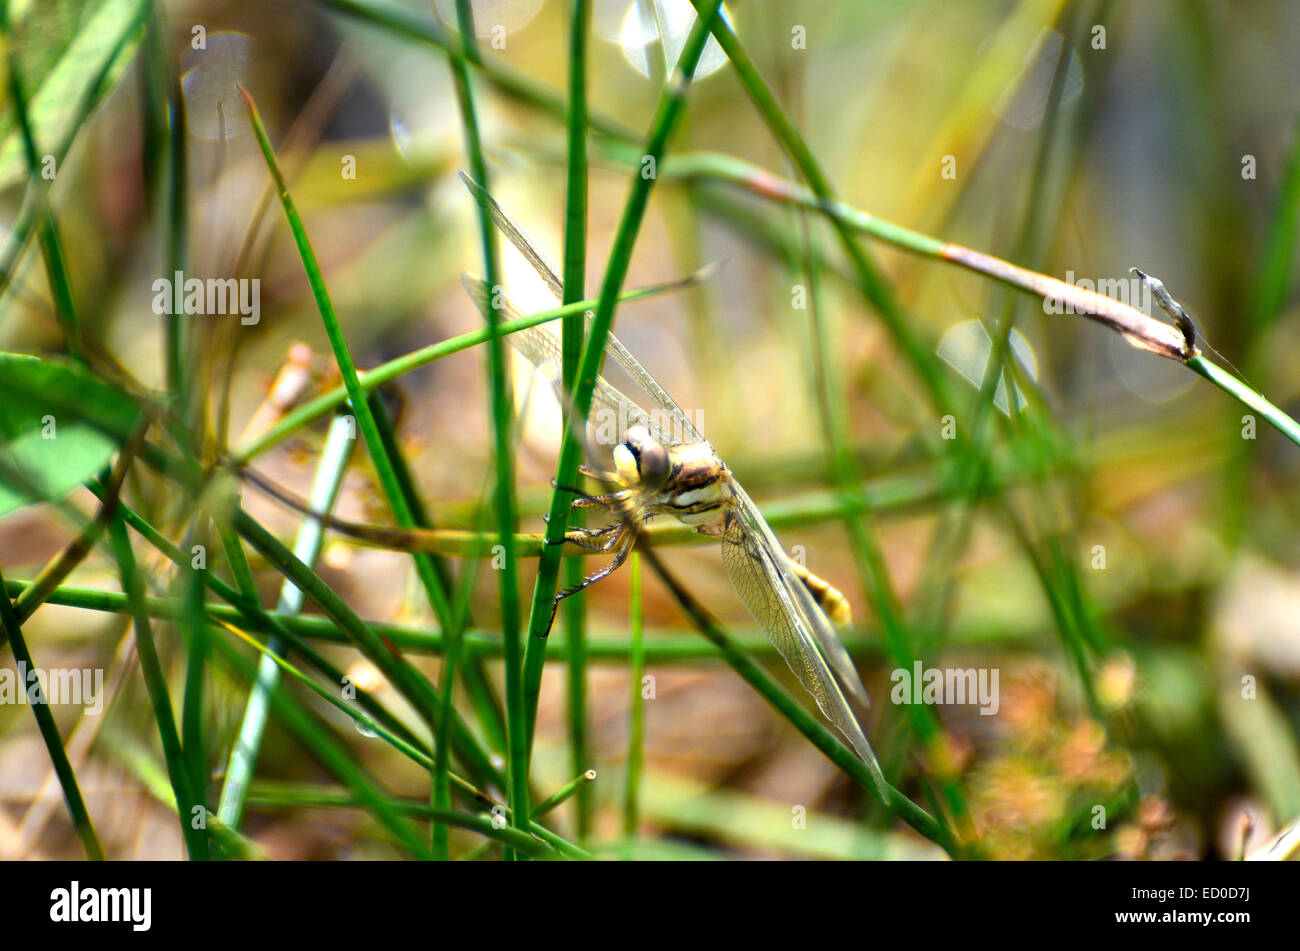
791	619
678	429
682	429
542	349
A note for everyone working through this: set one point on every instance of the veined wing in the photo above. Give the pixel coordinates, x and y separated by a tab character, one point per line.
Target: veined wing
542	349
686	431
791	619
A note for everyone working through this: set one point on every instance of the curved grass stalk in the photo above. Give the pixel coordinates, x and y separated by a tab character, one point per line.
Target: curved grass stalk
1139	329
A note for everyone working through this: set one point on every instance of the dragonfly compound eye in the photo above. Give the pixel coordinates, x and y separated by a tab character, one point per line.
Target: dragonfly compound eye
652	463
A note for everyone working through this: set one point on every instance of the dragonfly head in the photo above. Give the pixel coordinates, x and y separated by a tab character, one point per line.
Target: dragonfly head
642	460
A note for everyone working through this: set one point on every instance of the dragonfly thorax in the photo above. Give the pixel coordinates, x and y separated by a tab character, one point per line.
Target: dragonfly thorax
688	481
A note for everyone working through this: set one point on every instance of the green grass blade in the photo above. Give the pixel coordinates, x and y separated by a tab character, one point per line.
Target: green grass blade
505	79
573	616
177	769
386	468
408	681
332	754
49	730
667	114
636	701
873	284
1247	396
518	736
867	775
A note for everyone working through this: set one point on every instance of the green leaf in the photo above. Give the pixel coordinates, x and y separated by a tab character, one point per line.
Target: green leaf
59	426
64	47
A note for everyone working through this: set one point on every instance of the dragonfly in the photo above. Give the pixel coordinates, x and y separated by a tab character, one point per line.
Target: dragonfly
664	467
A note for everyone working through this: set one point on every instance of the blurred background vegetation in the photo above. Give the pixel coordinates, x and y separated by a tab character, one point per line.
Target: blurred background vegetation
1112	546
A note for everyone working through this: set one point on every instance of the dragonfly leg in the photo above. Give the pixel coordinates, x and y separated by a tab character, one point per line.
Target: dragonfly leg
598	501
574	491
591	502
625	541
582	537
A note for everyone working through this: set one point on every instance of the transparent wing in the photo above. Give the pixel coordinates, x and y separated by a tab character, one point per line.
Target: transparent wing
685	430
831	648
791	619
542	349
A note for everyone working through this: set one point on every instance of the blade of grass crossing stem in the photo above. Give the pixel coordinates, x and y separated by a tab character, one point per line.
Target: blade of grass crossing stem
502	404
307	546
50	735
266	796
379	719
667	114
409	750
408	681
317	407
463	742
384	466
333	755
275	627
156	683
574	616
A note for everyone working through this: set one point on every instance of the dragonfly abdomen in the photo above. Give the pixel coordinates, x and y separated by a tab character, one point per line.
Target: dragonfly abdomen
835	606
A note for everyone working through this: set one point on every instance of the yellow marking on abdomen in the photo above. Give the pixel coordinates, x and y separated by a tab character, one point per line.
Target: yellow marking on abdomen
827	596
